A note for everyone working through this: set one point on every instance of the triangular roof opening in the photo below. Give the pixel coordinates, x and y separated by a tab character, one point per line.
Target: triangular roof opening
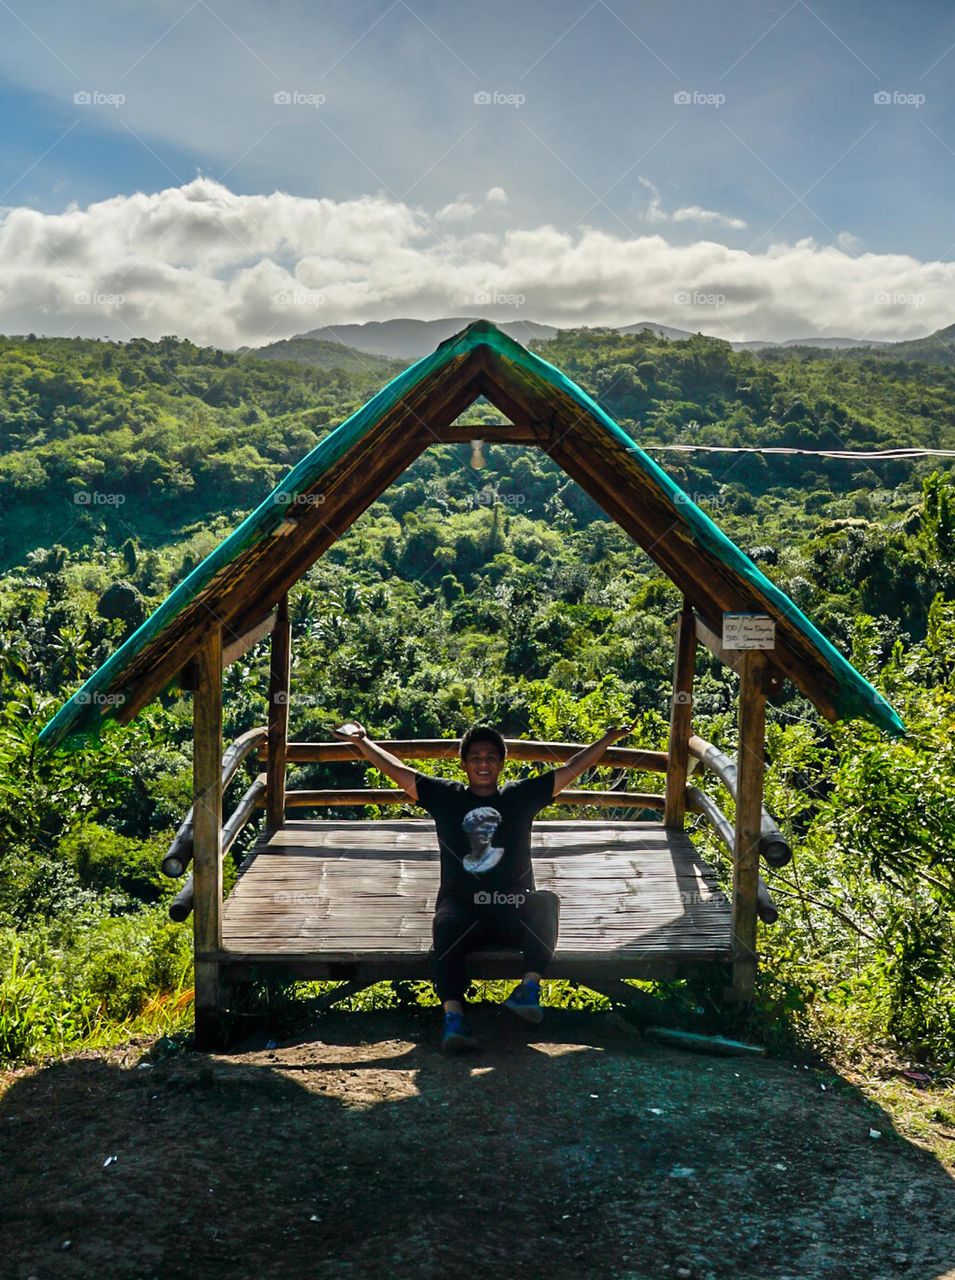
239	583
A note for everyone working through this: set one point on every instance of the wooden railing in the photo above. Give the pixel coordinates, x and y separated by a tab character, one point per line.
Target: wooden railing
179	854
773	846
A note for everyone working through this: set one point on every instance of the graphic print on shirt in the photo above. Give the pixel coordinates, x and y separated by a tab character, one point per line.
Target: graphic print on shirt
480	826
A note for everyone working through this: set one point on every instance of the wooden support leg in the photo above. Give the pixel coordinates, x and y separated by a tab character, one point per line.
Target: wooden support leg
278	718
681	712
207	839
749	808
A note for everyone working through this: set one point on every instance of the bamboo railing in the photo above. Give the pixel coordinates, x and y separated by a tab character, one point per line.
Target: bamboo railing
179	854
773	845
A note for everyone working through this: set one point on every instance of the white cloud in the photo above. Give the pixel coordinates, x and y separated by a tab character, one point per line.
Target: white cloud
457	211
205	263
688	213
852	244
463	208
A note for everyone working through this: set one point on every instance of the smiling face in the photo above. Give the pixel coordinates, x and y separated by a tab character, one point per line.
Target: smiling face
483	764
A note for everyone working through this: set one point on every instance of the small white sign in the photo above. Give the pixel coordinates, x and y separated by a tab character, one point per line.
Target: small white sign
748	631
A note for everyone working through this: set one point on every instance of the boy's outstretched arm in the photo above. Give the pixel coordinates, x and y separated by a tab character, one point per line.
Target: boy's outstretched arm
582	761
389	765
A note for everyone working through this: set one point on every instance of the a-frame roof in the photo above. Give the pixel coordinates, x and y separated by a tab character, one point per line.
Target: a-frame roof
239	582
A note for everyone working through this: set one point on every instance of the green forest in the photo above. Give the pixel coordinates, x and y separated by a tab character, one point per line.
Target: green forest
501	594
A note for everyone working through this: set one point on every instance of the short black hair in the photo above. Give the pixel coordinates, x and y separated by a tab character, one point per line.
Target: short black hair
483	733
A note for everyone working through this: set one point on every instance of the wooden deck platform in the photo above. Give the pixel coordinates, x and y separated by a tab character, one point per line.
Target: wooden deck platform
350	900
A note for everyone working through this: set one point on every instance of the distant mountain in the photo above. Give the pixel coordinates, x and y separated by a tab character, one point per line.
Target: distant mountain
404	340
829	344
321	353
661	330
937	348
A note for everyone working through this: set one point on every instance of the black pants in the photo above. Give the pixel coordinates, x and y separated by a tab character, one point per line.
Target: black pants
460	927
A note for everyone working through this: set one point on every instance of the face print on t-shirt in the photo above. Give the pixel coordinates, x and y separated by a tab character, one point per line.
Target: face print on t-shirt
480	826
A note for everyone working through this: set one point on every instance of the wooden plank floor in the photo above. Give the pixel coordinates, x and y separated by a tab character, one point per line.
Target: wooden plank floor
352	898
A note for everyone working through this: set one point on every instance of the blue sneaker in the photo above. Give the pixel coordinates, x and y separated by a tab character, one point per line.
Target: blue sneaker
525	1001
457	1034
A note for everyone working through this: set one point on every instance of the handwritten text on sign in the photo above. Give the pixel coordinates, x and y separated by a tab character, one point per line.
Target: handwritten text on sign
748	631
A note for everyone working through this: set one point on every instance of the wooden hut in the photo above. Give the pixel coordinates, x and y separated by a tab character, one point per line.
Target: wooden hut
353	900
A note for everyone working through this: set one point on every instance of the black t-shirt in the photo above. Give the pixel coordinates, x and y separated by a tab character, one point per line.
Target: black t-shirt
485	841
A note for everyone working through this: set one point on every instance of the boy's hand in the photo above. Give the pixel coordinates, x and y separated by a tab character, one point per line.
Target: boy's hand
350	731
621	731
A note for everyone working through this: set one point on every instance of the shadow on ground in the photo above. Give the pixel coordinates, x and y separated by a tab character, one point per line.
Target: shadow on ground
572	1149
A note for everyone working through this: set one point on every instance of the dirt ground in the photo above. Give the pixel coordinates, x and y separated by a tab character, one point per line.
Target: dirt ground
577	1148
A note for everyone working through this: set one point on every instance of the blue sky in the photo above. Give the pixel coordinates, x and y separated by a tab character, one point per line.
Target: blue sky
692	145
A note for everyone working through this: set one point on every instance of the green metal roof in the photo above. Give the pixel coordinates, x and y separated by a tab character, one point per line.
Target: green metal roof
80	718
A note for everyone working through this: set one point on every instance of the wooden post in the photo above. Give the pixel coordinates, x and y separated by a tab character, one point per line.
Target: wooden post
278	717
681	713
749	802
207	837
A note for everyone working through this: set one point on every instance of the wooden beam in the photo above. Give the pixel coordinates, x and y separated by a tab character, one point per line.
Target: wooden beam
552	753
681	713
207	838
732	658
498	388
385	966
278	716
238	648
749	810
490	433
394	795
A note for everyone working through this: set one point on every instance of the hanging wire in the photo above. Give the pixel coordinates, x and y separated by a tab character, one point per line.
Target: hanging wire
848	454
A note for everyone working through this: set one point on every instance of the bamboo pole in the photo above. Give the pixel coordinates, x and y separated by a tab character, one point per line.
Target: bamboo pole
749	810
394	795
698	801
681	712
182	903
278	717
179	854
207	836
521	749
773	845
